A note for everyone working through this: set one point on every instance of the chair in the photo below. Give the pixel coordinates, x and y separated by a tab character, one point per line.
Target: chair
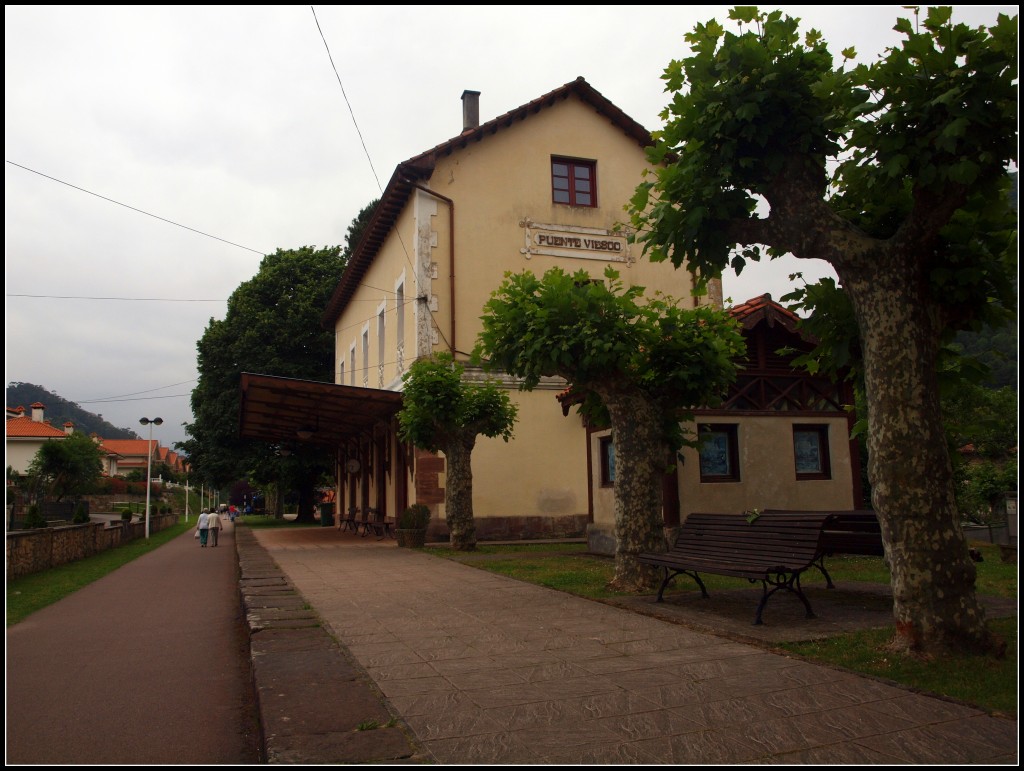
381	525
364	521
348	522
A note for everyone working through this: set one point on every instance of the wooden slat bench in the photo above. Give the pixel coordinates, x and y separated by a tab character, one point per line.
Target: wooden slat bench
774	549
851	532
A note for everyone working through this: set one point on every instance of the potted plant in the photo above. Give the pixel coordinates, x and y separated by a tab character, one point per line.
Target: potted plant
412	526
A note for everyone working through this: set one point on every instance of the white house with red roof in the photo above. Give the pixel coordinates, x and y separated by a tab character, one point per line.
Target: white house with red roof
27	433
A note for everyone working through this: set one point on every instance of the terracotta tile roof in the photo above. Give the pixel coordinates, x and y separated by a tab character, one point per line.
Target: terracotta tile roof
128	447
27	428
764	308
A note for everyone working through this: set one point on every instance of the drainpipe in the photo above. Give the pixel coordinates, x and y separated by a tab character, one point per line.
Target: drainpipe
451	255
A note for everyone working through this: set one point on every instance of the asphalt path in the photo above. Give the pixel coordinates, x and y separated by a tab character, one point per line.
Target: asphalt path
148	665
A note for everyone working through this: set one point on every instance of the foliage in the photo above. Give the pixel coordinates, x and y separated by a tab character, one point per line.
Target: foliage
126	514
357	227
639	364
982	489
416	517
441	411
65	466
272	326
81	515
895	172
439	407
33	517
592	332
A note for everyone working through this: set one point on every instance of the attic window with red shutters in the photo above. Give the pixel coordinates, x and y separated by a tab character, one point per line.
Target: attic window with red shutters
573	182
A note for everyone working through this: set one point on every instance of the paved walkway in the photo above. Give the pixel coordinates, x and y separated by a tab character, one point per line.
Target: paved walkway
467	667
147	665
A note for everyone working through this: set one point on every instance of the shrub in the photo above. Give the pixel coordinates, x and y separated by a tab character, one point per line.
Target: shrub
81	513
33	519
126	514
415	517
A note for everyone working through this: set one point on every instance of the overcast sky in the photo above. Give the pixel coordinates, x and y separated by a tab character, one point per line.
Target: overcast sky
161	151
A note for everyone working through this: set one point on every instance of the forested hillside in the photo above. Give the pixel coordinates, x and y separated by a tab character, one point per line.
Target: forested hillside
59	411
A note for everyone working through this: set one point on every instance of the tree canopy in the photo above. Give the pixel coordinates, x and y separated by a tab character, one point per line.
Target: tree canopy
639	364
895	172
442	411
272	327
68	466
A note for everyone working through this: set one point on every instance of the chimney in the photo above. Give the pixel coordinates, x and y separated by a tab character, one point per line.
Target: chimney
69	427
37	412
470	110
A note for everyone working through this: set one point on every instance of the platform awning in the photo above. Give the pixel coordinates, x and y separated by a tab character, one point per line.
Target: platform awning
281	409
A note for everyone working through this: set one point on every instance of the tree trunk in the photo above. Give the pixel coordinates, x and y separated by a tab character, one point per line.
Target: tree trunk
934	601
458	493
306	507
640	452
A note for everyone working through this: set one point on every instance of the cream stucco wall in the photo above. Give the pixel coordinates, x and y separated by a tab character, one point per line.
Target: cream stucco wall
768	470
541	471
503	183
20	452
494	191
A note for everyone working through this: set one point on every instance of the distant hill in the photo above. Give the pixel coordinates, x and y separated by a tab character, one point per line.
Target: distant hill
59	411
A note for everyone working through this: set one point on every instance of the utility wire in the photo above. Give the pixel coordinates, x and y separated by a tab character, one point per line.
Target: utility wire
140	211
350	111
128	299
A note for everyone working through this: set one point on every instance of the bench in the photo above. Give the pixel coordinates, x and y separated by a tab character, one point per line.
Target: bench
851	532
774	549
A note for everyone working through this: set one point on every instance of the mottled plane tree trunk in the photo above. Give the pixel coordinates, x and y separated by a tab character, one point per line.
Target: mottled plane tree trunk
640	452
458	490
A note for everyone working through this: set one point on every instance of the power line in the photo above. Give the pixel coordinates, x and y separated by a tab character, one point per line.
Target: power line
127	299
350	111
140	211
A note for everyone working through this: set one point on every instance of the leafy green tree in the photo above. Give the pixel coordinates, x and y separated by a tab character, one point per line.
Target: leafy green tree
640	365
443	412
357	227
69	466
272	327
896	174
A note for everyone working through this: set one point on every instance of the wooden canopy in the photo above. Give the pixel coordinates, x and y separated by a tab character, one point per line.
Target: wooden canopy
287	410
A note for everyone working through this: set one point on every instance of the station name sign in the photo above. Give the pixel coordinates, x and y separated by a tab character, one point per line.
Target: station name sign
574	241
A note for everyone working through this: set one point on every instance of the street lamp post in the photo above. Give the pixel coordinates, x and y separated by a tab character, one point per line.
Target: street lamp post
149	461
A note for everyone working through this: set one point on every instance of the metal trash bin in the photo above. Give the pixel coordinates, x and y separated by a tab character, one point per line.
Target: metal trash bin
326	515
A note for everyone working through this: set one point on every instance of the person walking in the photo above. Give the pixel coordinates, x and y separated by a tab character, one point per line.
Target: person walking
213	523
203	527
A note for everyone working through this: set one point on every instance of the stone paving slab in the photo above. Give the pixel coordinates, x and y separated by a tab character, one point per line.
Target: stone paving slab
481	669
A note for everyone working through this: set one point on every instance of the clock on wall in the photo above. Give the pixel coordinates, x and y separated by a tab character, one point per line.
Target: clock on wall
352	466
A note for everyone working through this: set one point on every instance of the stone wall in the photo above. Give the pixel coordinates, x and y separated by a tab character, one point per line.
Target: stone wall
32	551
516	528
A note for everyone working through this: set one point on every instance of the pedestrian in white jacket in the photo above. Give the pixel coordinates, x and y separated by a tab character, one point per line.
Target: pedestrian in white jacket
213	523
202	527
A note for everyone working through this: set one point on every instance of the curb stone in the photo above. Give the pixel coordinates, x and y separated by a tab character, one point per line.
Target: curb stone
315	705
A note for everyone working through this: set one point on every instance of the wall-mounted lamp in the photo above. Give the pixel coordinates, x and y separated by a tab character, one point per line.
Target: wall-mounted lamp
304	433
284	452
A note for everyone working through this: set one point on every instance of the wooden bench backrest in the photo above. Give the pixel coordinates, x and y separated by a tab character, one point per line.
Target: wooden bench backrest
730	542
851	532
